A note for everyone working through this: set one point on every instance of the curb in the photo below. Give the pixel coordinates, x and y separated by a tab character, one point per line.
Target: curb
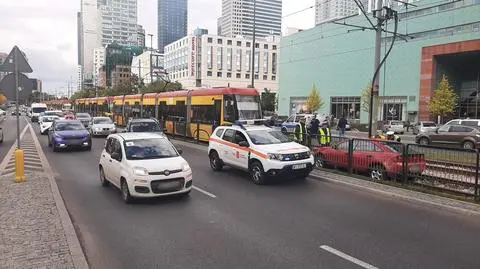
394	192
76	251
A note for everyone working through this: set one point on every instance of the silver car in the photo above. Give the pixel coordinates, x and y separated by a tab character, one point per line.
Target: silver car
101	126
424	127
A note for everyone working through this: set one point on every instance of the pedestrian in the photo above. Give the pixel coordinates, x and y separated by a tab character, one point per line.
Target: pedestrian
300	132
314	125
325	135
342	124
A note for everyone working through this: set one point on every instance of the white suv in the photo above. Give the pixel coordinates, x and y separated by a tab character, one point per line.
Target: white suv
262	151
144	165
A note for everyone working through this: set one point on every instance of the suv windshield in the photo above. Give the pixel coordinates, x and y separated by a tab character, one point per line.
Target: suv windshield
145	127
39	109
262	137
102	121
82	115
155	148
69	126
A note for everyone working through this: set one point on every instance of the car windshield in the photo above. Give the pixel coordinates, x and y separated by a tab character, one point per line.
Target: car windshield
55	113
155	148
69	126
429	124
262	137
145	127
82	116
39	109
102	121
50	118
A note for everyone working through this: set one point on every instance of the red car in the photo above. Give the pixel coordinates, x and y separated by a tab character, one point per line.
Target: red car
378	158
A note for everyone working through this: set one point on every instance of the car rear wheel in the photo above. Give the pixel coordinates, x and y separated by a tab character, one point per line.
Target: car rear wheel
257	173
284	130
423	141
103	179
377	173
215	162
126	197
468	145
320	161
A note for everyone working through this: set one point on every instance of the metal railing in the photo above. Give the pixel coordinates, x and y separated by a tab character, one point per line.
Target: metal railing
448	169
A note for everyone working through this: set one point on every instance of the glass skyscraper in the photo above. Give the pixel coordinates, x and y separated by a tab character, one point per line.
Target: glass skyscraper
172	21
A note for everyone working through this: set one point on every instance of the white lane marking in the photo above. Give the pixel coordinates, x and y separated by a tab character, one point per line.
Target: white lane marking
204	192
348	257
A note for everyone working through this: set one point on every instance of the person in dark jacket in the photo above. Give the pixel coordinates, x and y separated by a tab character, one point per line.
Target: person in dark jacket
342	124
314	126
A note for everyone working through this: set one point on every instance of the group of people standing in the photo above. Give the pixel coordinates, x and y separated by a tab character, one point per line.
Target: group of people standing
317	132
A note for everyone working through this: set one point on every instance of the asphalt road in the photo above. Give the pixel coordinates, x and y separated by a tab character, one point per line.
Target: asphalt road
9	127
290	224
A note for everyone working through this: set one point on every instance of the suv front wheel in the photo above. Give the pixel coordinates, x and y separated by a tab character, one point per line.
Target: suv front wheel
468	145
257	173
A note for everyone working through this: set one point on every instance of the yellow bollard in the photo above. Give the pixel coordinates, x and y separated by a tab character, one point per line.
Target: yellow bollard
19	166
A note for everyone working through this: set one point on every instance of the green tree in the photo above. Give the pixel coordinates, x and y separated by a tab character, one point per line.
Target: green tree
314	101
444	100
268	100
162	86
365	99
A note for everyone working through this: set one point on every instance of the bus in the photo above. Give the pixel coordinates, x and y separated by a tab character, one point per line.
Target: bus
36	109
190	113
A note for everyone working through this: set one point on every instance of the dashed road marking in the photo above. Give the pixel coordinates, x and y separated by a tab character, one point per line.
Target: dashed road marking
204	192
348	257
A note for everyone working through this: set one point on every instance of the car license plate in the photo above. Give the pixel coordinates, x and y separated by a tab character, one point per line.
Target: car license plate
299	166
167	185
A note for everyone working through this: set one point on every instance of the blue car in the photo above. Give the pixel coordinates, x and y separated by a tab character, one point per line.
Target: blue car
68	134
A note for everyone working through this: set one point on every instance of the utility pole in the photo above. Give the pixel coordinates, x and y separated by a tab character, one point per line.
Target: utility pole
253	41
17	89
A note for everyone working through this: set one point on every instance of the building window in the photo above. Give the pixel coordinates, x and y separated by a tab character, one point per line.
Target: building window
265	62
229	42
219	74
274	78
239	75
229	75
239	43
256	76
209	40
219	58
274	47
209	73
265	46
257	62
265	77
257	45
274	63
347	106
229	59
247	60
209	57
219	41
239	59
248	44
247	76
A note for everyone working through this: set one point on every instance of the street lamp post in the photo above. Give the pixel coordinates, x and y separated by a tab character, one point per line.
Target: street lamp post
253	41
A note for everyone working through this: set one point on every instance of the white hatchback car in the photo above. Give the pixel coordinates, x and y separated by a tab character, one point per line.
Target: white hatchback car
144	165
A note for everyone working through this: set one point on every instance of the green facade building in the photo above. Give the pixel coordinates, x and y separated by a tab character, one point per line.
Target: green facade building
443	38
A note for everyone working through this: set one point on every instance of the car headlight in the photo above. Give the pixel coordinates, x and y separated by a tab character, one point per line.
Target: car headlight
185	167
98	129
140	171
309	152
275	156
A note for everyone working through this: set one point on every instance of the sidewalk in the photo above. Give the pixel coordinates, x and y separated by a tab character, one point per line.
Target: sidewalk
35	228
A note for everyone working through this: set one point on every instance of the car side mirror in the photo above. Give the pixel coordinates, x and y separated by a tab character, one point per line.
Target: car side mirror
179	150
116	156
243	144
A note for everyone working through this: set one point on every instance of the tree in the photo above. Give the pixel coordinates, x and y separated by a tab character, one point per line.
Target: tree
365	99
314	101
162	86
3	99
444	100
268	100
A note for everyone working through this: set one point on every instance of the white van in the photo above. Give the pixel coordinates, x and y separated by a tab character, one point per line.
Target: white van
36	109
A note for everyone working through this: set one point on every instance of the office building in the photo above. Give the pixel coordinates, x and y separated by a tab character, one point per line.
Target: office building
3	56
148	66
172	21
89	23
341	64
98	63
237	18
119	22
328	10
218	61
140	36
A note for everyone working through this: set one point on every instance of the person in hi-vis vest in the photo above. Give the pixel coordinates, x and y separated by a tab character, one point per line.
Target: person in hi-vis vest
300	133
325	135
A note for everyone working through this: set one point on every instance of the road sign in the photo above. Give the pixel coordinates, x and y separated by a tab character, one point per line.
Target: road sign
22	64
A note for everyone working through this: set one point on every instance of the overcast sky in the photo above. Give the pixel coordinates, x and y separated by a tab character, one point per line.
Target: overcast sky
46	30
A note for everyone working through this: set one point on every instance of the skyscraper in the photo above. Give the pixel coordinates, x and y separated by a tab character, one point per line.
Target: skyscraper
327	10
172	21
237	18
119	22
89	34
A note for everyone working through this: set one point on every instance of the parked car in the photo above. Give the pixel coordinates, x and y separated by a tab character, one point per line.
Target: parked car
466	137
143	125
101	126
424	127
394	125
65	134
467	122
144	165
275	120
289	125
85	118
379	158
